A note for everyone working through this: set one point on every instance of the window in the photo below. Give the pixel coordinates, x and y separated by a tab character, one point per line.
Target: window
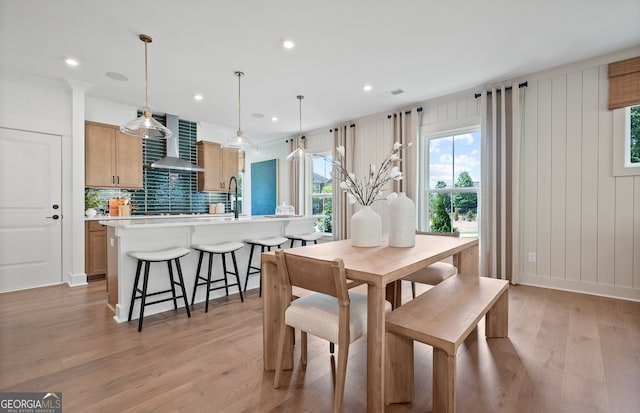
632	138
321	192
626	141
451	170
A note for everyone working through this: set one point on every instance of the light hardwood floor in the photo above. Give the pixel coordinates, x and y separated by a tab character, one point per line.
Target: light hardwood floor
566	352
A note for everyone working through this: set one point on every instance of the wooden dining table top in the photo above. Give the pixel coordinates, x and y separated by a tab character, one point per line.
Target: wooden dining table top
384	264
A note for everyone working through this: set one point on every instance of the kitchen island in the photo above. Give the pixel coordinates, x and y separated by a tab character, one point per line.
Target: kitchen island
147	234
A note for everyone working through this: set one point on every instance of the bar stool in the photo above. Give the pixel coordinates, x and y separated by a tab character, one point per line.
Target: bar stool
304	238
147	257
266	243
222	249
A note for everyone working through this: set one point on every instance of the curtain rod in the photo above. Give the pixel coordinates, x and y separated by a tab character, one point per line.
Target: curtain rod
353	125
406	113
523	84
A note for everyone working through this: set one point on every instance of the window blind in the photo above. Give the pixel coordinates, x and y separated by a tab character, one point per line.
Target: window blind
624	83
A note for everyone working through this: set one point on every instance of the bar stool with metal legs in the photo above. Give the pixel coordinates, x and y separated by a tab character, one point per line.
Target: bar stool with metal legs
147	257
265	245
304	238
222	249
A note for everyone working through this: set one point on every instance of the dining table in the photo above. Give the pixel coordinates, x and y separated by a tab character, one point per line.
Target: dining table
381	268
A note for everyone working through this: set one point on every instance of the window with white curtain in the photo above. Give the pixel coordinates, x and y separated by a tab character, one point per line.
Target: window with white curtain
321	192
451	175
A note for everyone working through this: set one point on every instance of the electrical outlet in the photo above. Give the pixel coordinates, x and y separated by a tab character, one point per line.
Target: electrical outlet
532	257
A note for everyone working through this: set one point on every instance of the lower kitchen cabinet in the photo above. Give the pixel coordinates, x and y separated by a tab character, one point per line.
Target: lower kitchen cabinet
95	255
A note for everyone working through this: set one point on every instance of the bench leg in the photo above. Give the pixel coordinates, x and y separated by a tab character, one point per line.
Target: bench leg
444	382
398	381
497	319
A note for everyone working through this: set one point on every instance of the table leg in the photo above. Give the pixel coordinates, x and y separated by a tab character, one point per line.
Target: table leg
467	261
271	315
375	348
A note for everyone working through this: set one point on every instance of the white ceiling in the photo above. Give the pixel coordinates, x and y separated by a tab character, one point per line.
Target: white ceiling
427	48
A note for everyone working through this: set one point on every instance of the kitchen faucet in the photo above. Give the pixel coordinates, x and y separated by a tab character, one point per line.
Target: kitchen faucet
235	209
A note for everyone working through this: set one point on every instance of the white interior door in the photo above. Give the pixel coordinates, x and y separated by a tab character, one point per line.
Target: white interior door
30	209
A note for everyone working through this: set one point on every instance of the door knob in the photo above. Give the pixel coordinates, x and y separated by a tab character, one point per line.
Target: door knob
54	217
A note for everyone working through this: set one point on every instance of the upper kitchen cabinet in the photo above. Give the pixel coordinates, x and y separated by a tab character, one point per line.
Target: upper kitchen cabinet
112	158
219	164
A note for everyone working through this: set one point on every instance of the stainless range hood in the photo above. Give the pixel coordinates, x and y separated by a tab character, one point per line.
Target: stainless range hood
172	160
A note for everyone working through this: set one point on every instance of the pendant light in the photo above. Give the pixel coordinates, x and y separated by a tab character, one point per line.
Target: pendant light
298	153
146	126
238	142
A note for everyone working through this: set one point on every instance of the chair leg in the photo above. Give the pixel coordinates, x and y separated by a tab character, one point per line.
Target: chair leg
235	267
173	285
195	285
135	287
291	246
246	281
224	272
413	289
143	299
303	348
332	347
343	355
206	306
260	272
184	291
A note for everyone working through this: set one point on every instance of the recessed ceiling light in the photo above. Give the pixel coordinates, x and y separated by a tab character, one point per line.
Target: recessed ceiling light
367	88
198	97
288	44
116	76
71	61
274	119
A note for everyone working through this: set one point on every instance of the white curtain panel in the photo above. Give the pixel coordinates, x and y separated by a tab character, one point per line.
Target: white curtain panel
405	126
342	136
500	183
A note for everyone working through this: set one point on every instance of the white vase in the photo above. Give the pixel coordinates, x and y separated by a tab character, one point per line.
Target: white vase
366	228
90	213
402	222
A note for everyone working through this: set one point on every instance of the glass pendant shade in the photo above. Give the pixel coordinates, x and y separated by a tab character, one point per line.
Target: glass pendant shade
146	126
238	141
299	153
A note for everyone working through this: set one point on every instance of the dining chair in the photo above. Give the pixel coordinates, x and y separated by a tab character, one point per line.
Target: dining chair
434	273
331	312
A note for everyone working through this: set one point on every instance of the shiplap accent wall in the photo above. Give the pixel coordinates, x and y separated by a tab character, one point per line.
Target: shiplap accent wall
581	221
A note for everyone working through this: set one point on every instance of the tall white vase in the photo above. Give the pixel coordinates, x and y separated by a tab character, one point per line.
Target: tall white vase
402	222
366	228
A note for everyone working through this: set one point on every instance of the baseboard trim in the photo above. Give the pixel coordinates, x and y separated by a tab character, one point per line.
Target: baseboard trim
631	294
76	280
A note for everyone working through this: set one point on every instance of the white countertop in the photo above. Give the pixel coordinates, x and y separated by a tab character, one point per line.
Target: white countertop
191	220
178	216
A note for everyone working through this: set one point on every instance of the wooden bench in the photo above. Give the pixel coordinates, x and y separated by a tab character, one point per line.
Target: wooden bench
442	317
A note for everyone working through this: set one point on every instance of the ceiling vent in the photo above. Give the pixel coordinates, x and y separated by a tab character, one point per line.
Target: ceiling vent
396	91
